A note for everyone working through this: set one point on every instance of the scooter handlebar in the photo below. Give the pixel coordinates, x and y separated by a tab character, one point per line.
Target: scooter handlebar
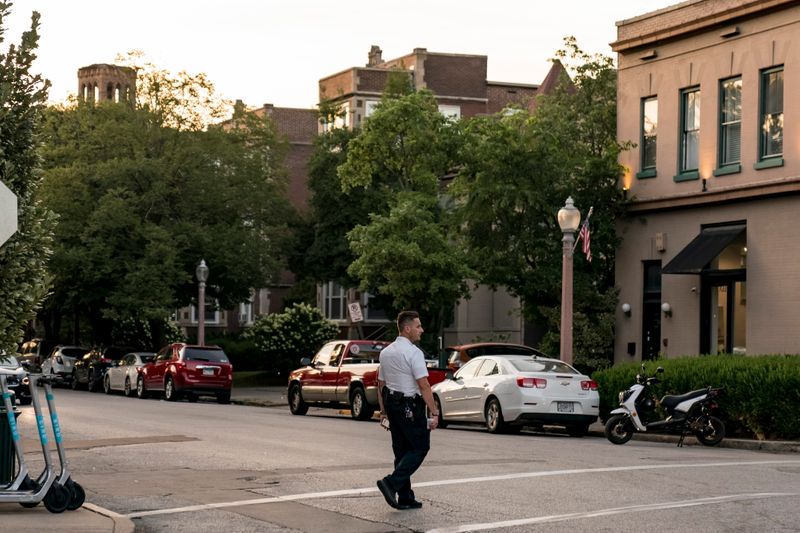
17	372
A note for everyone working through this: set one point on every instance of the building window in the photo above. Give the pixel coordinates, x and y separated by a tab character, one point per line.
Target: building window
373	310
246	312
648	137
771	138
730	129
370	106
334	301
451	112
690	130
211	312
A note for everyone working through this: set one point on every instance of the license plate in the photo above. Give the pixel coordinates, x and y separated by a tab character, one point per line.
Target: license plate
565	407
208	371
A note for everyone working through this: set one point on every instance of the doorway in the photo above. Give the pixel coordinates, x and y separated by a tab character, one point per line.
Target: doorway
723	314
651	310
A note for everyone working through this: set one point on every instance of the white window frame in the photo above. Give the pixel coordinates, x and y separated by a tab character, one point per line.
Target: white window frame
210	303
450	111
333	291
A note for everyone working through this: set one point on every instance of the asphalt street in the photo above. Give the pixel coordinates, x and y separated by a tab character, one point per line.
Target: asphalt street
208	467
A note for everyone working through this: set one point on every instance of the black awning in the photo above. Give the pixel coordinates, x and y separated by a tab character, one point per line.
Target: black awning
703	249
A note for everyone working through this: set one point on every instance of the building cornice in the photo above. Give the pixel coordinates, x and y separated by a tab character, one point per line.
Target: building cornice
674	27
779	187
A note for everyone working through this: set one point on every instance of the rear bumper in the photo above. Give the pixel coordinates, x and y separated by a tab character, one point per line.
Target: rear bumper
553	418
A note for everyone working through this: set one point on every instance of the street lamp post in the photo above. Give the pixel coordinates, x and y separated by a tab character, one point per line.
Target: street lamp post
568	219
202	277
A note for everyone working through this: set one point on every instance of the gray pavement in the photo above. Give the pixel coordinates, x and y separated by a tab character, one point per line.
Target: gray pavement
91	518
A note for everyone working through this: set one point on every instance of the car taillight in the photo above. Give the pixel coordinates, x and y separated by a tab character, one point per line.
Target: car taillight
589	384
530	383
59	360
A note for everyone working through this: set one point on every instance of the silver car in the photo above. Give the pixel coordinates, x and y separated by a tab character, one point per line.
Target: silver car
507	392
60	361
122	374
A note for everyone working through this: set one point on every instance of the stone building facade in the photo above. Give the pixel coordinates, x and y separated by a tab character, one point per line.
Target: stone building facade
708	259
107	83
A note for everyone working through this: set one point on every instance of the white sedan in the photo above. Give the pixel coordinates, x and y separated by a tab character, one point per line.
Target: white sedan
507	392
122	374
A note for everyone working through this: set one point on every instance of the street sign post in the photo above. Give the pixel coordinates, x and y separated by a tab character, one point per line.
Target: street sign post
8	213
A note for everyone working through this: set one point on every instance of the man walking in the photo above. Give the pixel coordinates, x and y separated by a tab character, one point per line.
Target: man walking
403	395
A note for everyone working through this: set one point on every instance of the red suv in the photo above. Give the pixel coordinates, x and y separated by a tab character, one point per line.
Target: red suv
186	370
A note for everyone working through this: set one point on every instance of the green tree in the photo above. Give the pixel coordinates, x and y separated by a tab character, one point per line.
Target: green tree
23	276
285	338
182	101
406	251
140	204
518	170
408	255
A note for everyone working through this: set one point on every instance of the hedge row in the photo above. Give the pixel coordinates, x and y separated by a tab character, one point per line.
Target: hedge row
762	393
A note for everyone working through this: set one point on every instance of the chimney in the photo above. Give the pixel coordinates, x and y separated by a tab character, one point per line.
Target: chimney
375	58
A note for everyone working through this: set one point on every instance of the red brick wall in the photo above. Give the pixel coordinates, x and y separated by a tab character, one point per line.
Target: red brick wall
452	75
501	96
372	80
336	85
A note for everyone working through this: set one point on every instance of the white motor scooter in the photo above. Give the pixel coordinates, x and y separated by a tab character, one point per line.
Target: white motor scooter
687	413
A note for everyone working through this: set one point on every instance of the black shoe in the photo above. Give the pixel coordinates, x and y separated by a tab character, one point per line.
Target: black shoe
409	504
388	493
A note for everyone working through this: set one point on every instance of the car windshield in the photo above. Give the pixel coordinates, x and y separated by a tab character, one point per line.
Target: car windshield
363	354
539	365
205	354
73	352
8	361
147	358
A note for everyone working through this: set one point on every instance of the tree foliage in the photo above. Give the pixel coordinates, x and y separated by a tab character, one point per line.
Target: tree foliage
285	338
23	276
182	101
518	169
140	204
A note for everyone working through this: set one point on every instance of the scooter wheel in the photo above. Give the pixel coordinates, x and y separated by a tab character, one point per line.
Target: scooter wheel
56	499
77	495
710	430
619	429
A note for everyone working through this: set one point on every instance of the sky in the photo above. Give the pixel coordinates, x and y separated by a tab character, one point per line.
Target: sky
275	51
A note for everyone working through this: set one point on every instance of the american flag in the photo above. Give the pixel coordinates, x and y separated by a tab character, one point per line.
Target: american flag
583	235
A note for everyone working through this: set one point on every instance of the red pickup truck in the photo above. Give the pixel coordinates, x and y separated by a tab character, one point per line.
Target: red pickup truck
342	373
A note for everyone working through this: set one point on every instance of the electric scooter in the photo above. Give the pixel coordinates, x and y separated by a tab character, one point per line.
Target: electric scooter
688	413
23	489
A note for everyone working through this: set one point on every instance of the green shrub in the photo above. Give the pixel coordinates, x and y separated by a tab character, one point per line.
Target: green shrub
284	338
241	351
761	398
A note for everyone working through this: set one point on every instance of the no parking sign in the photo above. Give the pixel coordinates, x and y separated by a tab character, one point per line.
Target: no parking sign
8	213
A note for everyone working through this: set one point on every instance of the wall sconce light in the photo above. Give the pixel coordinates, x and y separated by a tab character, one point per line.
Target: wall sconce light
666	309
743	260
705	185
626	309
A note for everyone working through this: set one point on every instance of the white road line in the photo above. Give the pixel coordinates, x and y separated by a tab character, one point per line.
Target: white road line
609	512
484	479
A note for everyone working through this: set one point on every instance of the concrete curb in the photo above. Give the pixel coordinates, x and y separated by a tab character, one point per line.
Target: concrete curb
770	446
122	524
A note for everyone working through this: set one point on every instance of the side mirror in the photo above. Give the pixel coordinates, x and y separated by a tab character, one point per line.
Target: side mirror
305	361
449	375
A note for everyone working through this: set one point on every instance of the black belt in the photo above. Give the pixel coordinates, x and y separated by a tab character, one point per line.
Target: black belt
399	396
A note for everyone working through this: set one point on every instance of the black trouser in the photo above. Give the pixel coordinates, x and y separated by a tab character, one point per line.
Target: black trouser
411	440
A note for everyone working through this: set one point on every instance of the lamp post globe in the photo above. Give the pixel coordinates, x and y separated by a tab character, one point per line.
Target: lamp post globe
202	277
568	220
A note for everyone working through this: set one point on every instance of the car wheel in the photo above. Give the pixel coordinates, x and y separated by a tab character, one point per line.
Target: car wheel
360	409
494	417
619	429
577	430
296	404
128	390
92	384
170	394
141	391
107	384
74	381
442	423
224	397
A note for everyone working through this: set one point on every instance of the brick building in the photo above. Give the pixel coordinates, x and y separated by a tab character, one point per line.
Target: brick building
708	257
458	81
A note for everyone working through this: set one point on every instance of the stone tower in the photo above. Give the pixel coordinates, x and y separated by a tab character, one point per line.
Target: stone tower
102	82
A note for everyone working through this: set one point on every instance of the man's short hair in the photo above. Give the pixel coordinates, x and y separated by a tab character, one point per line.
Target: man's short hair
405	318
